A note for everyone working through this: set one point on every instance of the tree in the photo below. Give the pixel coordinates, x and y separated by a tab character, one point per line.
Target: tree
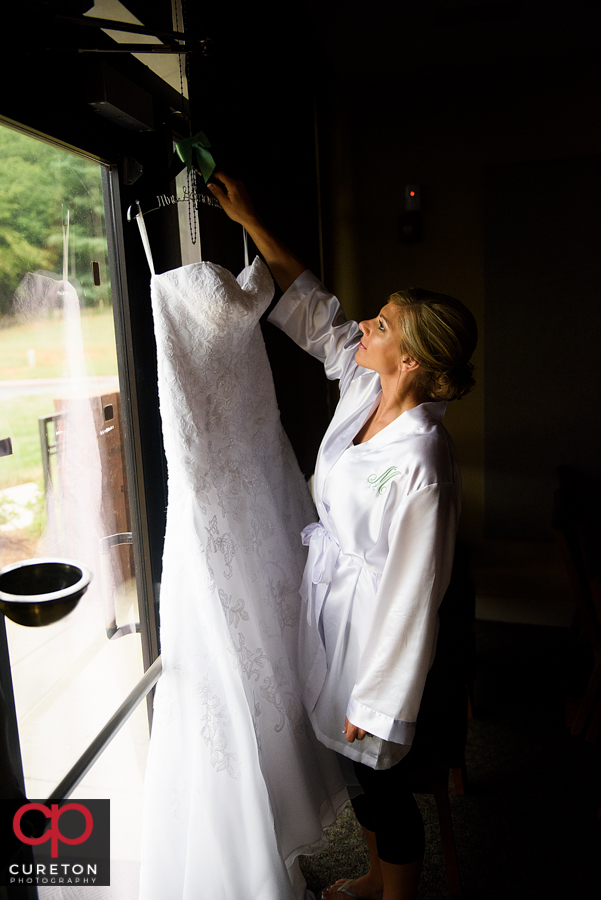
38	183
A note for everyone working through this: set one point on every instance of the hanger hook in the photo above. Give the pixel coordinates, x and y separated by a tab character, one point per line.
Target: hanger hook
129	213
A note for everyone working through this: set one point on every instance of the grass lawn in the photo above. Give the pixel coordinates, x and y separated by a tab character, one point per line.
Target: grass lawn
46	337
19	420
19	416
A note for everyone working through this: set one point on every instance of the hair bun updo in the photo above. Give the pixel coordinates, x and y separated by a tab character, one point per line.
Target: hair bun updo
453	383
440	333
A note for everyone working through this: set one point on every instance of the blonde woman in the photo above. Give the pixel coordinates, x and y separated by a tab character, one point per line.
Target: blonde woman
387	489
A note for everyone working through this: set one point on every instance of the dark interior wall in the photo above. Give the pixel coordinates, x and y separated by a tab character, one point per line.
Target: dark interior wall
543	324
444	130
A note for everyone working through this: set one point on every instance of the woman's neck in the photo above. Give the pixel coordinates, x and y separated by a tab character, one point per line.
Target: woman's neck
399	394
395	400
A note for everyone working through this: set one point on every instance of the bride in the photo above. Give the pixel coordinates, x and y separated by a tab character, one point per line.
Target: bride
387	489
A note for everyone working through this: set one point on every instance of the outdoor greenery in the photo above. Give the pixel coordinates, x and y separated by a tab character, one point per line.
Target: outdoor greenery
45	336
19	415
39	185
9	512
19	418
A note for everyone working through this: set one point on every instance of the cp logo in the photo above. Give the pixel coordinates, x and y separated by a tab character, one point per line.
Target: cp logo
54	833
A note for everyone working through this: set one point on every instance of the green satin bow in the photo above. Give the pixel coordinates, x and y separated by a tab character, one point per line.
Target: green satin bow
195	153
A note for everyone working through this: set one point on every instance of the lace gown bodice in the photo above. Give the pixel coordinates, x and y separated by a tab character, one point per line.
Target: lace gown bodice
234	772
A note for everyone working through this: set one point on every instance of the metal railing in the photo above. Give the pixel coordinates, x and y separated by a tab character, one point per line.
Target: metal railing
113	630
87	759
48	448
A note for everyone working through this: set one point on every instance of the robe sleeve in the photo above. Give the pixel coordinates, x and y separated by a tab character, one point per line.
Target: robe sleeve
314	319
400	645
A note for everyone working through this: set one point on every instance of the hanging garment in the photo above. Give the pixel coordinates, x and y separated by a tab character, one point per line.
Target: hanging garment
237	784
380	558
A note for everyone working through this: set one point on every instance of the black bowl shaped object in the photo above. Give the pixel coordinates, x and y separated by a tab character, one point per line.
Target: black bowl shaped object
38	592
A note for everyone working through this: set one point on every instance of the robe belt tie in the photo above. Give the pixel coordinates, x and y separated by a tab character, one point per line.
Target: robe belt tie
319	570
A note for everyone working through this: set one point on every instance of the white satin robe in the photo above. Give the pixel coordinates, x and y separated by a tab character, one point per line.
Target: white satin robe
380	558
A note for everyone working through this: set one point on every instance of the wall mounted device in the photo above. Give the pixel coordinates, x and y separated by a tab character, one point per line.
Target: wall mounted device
410	225
117	98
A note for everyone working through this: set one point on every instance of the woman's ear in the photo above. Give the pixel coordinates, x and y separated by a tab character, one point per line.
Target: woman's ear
408	364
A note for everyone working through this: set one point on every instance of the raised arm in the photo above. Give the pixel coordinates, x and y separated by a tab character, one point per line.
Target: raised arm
284	265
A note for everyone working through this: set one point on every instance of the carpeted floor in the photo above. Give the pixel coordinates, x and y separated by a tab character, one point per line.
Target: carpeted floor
527	827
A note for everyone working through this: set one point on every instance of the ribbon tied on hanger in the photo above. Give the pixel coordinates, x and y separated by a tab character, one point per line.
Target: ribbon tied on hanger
194	152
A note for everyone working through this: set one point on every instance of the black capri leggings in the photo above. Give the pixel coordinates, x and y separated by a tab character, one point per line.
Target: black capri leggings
388	807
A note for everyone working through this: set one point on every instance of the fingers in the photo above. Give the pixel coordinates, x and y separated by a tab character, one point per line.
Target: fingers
234	190
225	179
352	732
217	192
234	200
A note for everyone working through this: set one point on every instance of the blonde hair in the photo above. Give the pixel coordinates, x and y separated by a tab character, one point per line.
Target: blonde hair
440	333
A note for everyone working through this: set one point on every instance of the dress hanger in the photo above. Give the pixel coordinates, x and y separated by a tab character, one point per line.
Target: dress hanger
139	217
194	153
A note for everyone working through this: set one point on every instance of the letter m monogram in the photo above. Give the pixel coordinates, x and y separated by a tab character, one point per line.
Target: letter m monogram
380	482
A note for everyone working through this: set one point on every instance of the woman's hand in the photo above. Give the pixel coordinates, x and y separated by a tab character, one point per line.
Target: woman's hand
285	266
234	200
352	732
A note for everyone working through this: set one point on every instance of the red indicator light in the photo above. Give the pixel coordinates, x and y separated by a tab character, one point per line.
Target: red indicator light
412	193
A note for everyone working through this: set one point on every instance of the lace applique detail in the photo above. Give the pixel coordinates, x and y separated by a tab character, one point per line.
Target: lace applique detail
223	544
180	799
285	593
235	609
248	659
270	692
226	545
215	717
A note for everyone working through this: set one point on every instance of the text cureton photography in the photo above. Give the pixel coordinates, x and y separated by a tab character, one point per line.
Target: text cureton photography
55	873
55	842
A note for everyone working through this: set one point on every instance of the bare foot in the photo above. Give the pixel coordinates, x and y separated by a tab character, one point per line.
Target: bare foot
365	887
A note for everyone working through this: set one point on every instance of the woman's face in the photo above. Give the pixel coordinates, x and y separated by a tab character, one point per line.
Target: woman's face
380	347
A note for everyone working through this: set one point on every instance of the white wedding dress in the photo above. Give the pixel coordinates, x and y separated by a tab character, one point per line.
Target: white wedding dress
236	785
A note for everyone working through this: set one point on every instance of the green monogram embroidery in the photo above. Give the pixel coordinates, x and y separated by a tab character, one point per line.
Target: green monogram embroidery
380	481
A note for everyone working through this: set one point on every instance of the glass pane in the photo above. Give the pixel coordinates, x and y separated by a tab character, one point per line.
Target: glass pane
63	490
